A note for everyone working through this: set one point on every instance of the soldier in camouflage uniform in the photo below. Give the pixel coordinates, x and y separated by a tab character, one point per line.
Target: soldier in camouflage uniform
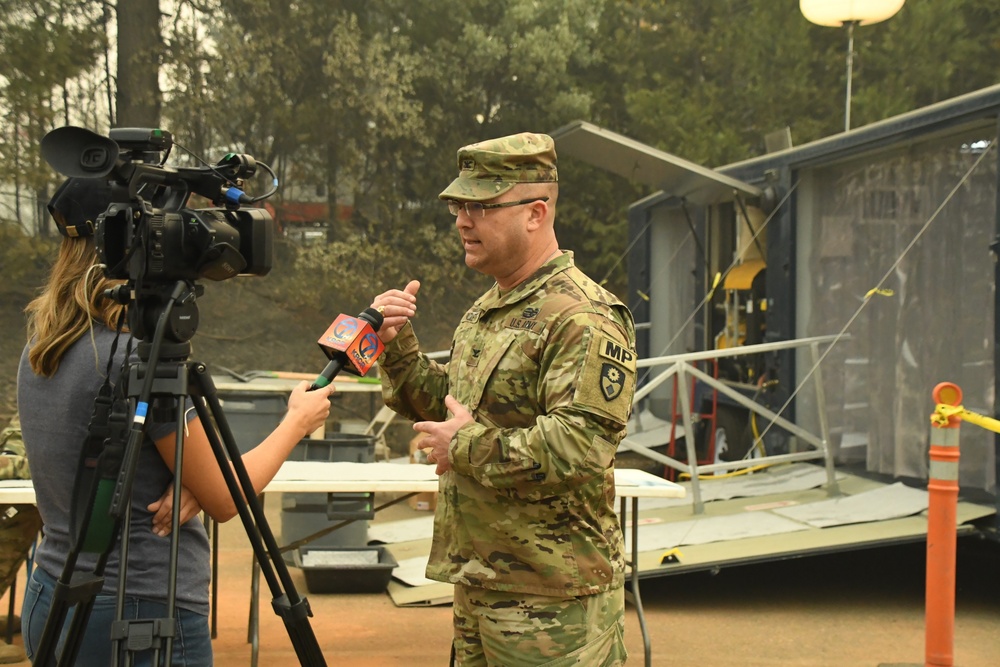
523	424
19	526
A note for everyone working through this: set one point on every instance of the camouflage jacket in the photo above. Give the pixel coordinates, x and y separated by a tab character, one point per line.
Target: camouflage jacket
13	462
548	372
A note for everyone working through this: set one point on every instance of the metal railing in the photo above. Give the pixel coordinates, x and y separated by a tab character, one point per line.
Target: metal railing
681	367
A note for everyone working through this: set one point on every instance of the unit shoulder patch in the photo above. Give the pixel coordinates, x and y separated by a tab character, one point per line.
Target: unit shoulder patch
607	378
612	381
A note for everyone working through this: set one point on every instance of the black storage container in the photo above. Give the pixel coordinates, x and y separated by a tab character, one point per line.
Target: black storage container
302	514
346	569
252	416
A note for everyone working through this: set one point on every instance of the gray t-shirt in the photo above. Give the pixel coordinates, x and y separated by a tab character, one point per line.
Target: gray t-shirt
55	413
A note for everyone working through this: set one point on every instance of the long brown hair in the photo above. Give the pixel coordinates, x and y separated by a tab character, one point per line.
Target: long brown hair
69	302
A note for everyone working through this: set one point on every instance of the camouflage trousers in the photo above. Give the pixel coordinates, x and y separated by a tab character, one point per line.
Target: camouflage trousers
19	526
497	629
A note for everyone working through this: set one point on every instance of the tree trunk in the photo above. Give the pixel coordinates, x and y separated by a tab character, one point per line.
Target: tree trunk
139	48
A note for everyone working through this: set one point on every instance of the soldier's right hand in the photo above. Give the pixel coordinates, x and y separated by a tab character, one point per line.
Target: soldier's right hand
397	307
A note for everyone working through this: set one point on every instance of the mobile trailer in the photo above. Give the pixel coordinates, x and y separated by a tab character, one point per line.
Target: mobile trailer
879	242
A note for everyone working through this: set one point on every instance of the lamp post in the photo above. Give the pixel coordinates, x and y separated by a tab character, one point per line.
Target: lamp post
849	14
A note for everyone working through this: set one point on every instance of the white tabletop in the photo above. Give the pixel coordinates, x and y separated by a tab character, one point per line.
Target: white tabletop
332	477
342	477
632	483
16	492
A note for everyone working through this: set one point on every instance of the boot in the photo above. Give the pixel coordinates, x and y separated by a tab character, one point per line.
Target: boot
11	653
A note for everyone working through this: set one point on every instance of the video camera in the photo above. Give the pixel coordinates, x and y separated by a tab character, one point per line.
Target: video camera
149	235
155	245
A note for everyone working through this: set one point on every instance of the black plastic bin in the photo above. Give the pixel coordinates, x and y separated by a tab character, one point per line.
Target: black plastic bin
252	416
302	514
340	570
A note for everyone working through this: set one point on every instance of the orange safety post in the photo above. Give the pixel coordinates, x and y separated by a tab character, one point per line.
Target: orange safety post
942	488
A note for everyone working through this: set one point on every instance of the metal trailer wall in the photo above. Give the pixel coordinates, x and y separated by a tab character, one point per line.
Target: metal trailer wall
909	200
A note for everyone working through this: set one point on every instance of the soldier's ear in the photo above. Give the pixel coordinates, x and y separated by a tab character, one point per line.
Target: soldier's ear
538	212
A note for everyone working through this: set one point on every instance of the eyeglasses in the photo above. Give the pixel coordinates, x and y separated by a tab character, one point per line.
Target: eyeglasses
475	209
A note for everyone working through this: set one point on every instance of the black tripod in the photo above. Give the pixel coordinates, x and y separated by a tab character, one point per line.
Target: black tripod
164	372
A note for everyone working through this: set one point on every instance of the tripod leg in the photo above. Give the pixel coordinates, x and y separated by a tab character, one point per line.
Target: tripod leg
75	590
253	626
9	632
215	579
254	614
293	610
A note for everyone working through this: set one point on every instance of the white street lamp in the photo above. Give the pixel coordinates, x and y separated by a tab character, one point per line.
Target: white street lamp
849	13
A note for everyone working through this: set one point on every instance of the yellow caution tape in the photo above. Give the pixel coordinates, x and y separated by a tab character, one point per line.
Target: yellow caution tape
943	412
982	421
671	556
879	291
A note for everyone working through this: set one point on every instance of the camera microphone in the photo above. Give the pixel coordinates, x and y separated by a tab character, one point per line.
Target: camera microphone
351	344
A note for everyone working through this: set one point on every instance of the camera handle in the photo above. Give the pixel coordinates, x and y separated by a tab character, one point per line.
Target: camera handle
178	380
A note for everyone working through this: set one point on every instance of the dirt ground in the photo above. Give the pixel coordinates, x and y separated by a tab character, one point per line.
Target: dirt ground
858	609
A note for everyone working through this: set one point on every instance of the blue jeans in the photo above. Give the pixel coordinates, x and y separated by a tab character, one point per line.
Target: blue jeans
192	644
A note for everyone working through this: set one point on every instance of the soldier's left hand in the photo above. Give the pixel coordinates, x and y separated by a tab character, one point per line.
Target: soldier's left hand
439	434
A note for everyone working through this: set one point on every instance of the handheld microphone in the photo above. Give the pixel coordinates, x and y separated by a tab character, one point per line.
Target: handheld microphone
351	344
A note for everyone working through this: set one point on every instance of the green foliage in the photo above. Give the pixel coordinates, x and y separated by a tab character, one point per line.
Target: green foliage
957	52
23	256
45	48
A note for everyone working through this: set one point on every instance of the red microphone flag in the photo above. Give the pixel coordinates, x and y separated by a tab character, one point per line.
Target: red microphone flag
356	339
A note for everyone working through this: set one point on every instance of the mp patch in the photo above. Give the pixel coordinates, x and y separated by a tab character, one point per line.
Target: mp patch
615	351
607	376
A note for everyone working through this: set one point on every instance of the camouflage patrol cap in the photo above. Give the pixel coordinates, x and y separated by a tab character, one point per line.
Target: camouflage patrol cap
490	168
